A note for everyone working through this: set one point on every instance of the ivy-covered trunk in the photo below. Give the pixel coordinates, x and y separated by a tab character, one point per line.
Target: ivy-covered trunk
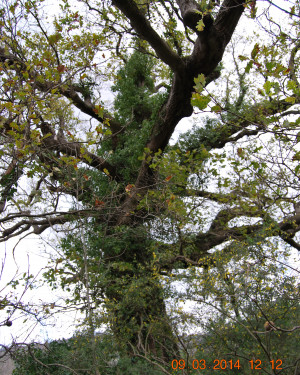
132	288
135	298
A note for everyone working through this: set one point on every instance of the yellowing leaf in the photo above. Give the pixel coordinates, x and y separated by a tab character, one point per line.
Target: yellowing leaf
290	99
200	83
99	110
200	25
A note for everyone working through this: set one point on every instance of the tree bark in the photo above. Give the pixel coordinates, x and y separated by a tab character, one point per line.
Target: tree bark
136	301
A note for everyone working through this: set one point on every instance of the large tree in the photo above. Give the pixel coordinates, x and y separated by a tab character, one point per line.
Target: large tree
141	208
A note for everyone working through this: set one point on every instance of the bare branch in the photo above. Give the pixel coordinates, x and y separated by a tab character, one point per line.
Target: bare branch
74	149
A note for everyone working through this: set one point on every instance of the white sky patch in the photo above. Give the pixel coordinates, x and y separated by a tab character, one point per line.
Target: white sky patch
31	257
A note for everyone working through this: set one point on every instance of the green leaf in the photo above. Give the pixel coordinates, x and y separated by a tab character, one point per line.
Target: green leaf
270	66
267	87
200	83
255	164
216	108
200	101
290	99
249	66
291	85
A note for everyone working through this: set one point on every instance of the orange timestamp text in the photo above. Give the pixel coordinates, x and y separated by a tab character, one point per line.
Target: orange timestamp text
222	364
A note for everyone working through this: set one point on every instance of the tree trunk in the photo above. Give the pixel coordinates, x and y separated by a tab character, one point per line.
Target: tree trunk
136	302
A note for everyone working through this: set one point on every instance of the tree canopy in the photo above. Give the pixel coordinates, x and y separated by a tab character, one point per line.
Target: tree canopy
215	209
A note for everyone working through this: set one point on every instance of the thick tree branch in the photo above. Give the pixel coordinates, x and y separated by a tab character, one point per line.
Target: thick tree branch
143	27
74	149
220	233
228	18
40	225
290	226
85	106
291	242
216	197
256	115
188	10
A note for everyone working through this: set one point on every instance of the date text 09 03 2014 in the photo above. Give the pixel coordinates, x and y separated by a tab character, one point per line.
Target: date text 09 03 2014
222	364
